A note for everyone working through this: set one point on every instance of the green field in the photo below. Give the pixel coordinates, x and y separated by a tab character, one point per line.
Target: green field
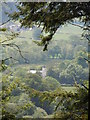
69	88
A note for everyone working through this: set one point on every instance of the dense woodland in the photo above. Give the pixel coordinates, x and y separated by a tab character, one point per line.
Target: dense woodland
63	93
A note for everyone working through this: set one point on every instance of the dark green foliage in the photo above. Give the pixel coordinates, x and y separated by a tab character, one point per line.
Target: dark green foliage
55	52
3	29
53	73
36	82
8	116
50	84
81	61
51	15
72	73
62	66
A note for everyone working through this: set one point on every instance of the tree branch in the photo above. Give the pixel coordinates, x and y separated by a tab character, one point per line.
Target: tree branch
9	58
85	28
13	44
5	22
86	60
84	86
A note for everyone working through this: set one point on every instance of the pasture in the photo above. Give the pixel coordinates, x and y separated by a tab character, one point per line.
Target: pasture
69	88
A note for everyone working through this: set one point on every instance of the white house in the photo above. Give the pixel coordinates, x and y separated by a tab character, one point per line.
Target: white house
32	71
43	71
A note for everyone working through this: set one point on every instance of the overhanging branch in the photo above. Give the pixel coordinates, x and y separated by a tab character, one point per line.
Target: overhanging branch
5	22
84	28
84	86
18	48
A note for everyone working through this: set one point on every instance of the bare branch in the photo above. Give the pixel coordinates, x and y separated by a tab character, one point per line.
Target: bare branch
76	24
5	22
88	39
85	87
84	28
9	39
86	60
8	59
18	48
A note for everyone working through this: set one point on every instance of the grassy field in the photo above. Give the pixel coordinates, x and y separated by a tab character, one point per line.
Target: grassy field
69	88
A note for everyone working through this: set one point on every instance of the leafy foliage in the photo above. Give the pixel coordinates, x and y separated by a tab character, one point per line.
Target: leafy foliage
50	15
